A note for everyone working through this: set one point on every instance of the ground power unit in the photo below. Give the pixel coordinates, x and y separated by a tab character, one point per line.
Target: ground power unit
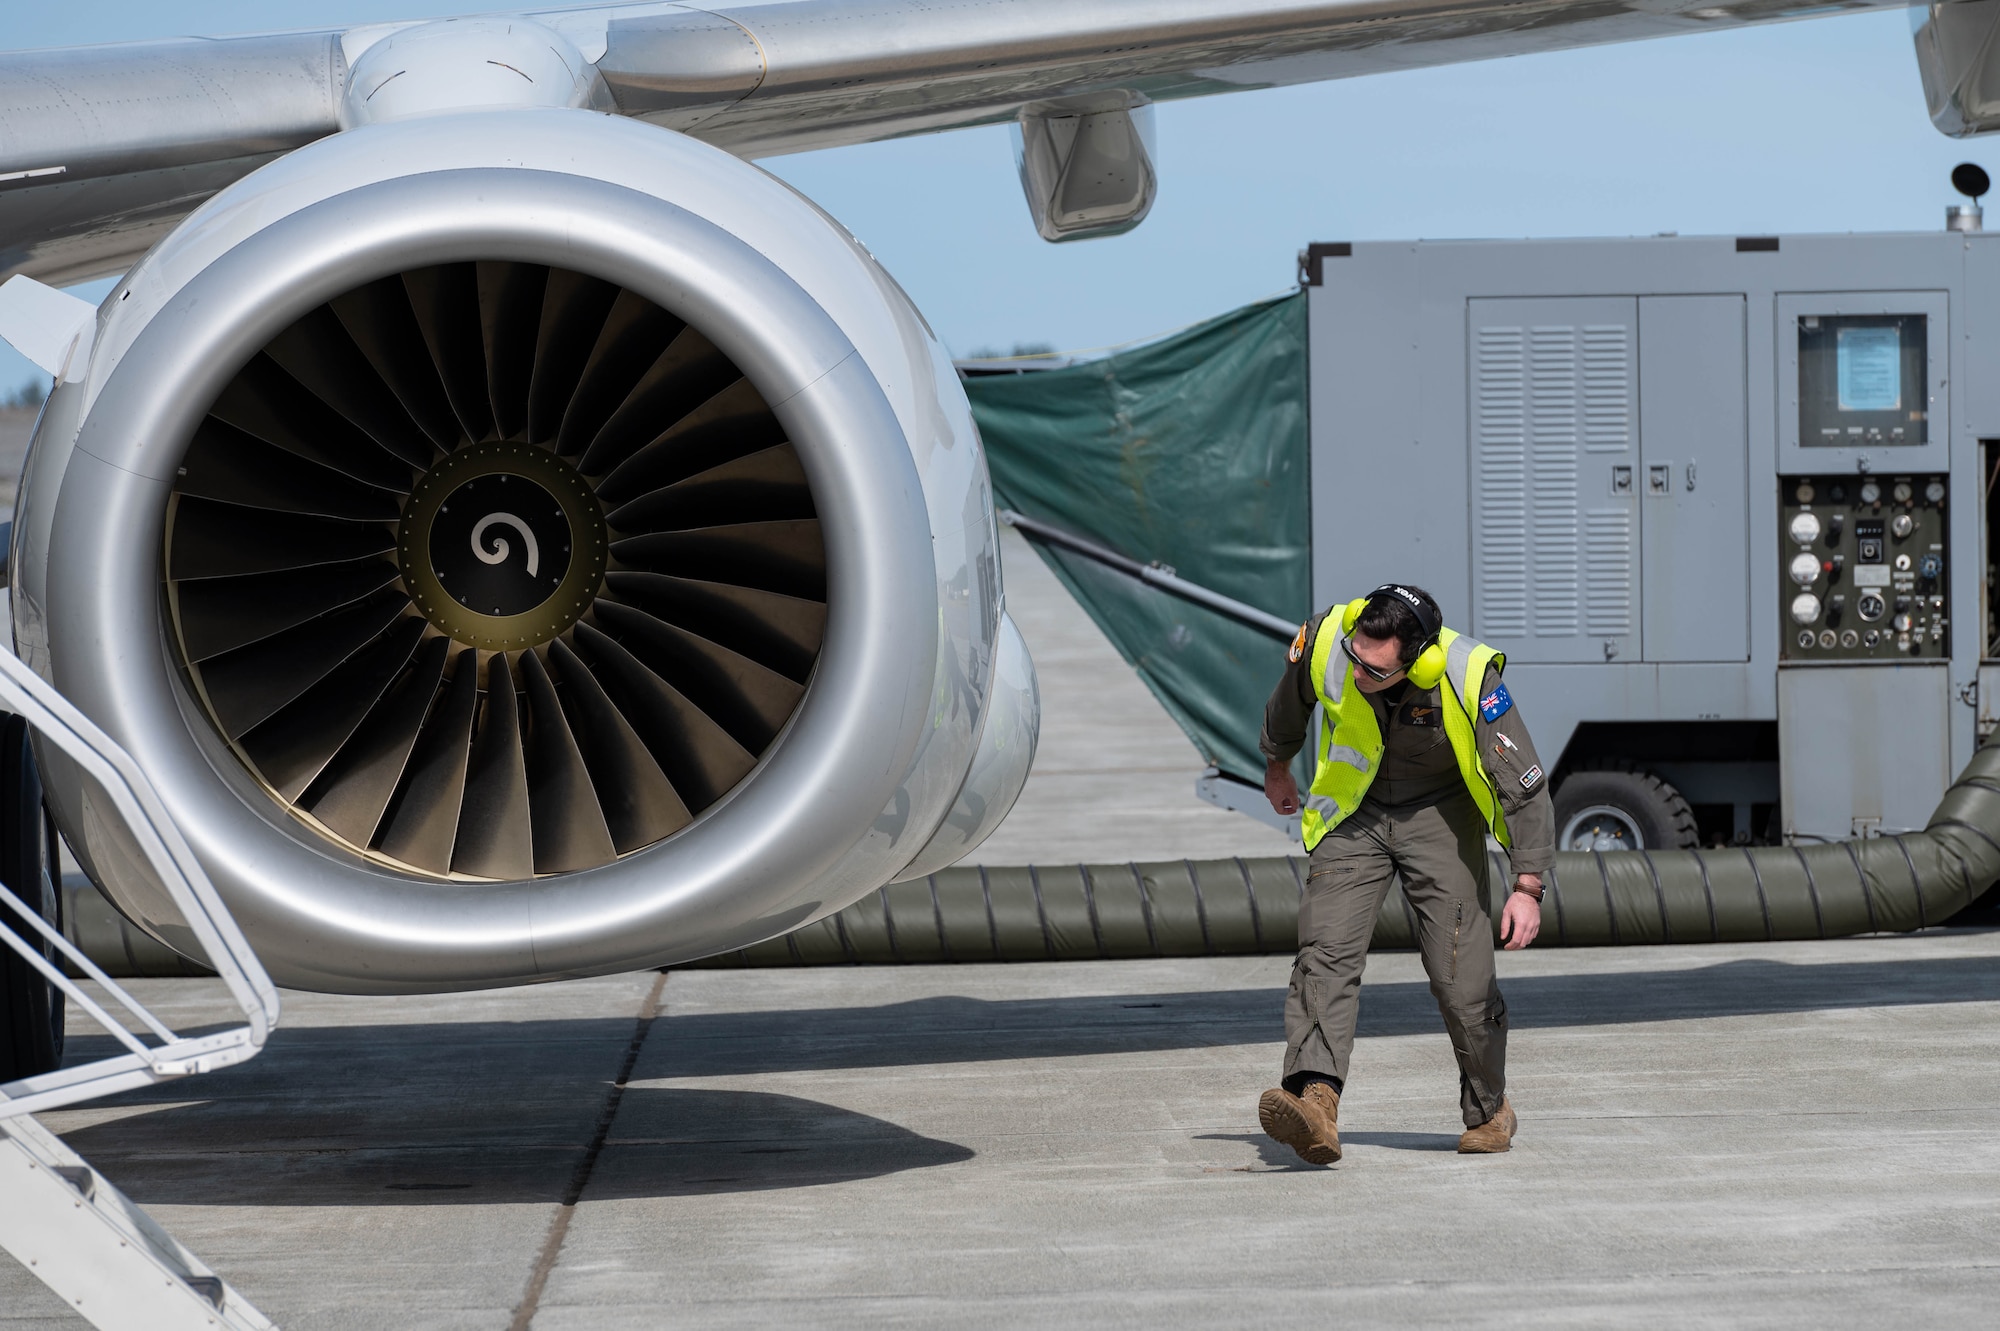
1722	501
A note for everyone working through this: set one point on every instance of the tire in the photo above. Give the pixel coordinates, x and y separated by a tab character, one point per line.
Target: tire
31	1008
1619	806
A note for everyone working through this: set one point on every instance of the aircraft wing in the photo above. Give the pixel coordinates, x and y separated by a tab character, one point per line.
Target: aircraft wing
103	149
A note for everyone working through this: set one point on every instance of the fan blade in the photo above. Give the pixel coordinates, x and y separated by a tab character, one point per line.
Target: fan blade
218	615
293	746
495	836
783	557
635	333
262	400
423	820
569	826
318	353
639	803
765	485
782	632
231	467
732	424
355	788
379	319
510	312
445	301
701	758
750	701
212	540
251	683
688	373
573	313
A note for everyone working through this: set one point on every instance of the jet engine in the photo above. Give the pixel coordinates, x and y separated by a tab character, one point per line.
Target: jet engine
520	544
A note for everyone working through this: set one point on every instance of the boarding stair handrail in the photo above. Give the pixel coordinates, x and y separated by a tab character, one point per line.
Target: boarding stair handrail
102	1254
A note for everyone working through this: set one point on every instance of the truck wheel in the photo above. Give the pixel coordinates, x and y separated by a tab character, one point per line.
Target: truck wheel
1618	806
31	1008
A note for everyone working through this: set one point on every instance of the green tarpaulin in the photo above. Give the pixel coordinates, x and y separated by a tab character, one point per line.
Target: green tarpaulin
1192	452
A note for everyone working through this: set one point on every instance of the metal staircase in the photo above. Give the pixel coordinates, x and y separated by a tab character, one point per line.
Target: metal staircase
83	1238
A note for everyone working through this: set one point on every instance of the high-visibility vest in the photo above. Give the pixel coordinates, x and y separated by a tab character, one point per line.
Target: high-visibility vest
1350	739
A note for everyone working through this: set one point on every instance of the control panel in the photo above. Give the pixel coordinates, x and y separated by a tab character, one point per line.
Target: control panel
1862	568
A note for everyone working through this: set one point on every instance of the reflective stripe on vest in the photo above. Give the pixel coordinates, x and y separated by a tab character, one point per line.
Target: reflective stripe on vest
1350	738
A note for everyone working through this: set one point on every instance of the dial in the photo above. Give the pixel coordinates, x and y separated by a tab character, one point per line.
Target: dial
1934	492
1901	492
1870	606
1871	493
1805	492
1901	623
1805	607
1902	525
1805	528
1805	569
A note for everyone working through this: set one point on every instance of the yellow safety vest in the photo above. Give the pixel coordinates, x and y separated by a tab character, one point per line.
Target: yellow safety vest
1350	739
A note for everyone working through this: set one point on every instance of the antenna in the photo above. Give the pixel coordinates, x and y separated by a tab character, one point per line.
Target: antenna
1971	180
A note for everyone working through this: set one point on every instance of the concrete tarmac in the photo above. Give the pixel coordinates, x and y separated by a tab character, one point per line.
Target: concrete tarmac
1779	1135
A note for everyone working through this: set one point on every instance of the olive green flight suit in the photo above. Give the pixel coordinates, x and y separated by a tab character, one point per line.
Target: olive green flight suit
1417	820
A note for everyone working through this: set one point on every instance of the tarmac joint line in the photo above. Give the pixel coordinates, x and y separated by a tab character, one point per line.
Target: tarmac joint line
552	1243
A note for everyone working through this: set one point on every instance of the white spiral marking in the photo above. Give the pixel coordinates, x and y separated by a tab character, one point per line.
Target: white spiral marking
501	549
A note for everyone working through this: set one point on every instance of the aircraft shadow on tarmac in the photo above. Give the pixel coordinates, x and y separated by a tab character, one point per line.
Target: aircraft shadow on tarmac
477	1112
417	1144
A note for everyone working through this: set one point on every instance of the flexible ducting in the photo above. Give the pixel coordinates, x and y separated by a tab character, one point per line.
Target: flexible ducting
1194	908
1188	908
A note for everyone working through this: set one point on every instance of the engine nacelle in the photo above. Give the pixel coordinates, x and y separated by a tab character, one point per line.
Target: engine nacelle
519	545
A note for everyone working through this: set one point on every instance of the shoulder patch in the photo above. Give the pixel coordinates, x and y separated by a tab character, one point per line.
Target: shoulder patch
1299	643
1496	704
1531	776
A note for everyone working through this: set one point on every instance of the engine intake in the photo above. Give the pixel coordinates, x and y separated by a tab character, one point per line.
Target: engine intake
490	570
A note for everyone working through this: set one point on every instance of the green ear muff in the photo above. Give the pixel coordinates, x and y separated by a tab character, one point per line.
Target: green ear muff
1351	613
1428	668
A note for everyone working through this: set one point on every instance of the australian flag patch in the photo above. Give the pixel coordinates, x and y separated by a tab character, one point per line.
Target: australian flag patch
1496	704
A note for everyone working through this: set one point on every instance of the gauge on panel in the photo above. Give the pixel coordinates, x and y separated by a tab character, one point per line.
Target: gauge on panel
1901	492
1805	528
1934	492
1805	607
1871	493
1805	569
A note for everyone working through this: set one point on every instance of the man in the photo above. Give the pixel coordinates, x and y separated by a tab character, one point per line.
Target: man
1421	752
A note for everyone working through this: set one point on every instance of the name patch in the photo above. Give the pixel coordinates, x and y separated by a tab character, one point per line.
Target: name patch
1496	704
1531	776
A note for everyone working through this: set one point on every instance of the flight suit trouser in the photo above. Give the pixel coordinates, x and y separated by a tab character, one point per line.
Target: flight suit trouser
1440	851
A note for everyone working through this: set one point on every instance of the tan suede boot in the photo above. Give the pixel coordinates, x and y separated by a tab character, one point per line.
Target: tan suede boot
1309	1123
1493	1136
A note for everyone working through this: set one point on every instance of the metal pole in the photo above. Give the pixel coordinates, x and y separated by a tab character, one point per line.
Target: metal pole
1153	575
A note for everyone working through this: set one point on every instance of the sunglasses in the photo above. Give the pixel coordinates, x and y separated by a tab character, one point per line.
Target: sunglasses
1379	676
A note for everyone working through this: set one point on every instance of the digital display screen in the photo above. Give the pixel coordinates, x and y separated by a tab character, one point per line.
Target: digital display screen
1863	380
1870	368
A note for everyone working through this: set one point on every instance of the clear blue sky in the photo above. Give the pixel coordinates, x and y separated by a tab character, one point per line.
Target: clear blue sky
1808	126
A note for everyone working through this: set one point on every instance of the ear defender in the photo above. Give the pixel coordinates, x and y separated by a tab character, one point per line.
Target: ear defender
1352	613
1428	668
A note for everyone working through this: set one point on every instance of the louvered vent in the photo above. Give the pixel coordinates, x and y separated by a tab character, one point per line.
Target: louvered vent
492	570
1555	453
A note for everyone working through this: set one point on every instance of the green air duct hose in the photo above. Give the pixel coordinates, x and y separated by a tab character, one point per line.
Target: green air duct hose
1191	908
